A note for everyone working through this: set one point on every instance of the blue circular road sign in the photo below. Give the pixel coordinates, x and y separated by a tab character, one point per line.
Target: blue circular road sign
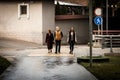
98	20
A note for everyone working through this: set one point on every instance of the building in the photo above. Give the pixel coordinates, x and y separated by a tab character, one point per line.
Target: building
29	21
26	20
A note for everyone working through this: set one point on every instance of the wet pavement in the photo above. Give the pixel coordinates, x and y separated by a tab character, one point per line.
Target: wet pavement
46	68
32	62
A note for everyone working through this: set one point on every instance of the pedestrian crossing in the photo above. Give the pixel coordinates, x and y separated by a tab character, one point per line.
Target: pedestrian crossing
51	54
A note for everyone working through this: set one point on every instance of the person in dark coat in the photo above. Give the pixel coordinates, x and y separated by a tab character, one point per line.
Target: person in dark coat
49	40
71	39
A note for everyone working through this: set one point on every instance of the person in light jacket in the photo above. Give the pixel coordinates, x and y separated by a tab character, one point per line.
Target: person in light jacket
71	39
58	37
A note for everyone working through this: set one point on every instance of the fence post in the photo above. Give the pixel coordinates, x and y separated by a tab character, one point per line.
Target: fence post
103	44
111	50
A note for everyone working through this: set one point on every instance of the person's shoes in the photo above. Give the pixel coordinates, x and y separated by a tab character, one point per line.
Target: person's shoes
71	52
55	52
50	51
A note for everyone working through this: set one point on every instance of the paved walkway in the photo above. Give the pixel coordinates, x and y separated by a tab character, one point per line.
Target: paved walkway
46	68
37	64
32	62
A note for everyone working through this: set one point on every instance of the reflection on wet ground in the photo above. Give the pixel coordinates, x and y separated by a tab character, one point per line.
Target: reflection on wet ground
46	68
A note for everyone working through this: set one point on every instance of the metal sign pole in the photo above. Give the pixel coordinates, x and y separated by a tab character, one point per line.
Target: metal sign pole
98	29
99	32
102	24
90	30
107	17
102	29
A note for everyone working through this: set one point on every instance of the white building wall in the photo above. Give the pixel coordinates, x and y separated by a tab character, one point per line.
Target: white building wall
48	17
22	29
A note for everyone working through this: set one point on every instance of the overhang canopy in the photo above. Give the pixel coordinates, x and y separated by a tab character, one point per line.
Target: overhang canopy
80	2
67	3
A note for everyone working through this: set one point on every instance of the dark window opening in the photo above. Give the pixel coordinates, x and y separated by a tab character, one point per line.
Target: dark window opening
23	9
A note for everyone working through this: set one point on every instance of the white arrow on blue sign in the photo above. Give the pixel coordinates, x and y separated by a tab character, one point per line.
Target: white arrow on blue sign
98	20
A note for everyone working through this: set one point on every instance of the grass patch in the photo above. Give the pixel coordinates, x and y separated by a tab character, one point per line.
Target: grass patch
105	70
4	64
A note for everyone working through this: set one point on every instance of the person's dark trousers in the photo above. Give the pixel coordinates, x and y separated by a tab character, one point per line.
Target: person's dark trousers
58	46
71	46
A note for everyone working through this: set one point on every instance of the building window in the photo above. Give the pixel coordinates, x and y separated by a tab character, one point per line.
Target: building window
23	10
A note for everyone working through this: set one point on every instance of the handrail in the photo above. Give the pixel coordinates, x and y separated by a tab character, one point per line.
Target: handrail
108	32
113	39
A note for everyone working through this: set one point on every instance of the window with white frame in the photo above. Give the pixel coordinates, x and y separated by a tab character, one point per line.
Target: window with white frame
23	10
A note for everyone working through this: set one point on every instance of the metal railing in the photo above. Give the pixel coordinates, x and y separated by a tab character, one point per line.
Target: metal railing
109	41
106	32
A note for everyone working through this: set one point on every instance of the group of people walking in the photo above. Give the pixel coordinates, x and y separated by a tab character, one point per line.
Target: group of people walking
57	37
